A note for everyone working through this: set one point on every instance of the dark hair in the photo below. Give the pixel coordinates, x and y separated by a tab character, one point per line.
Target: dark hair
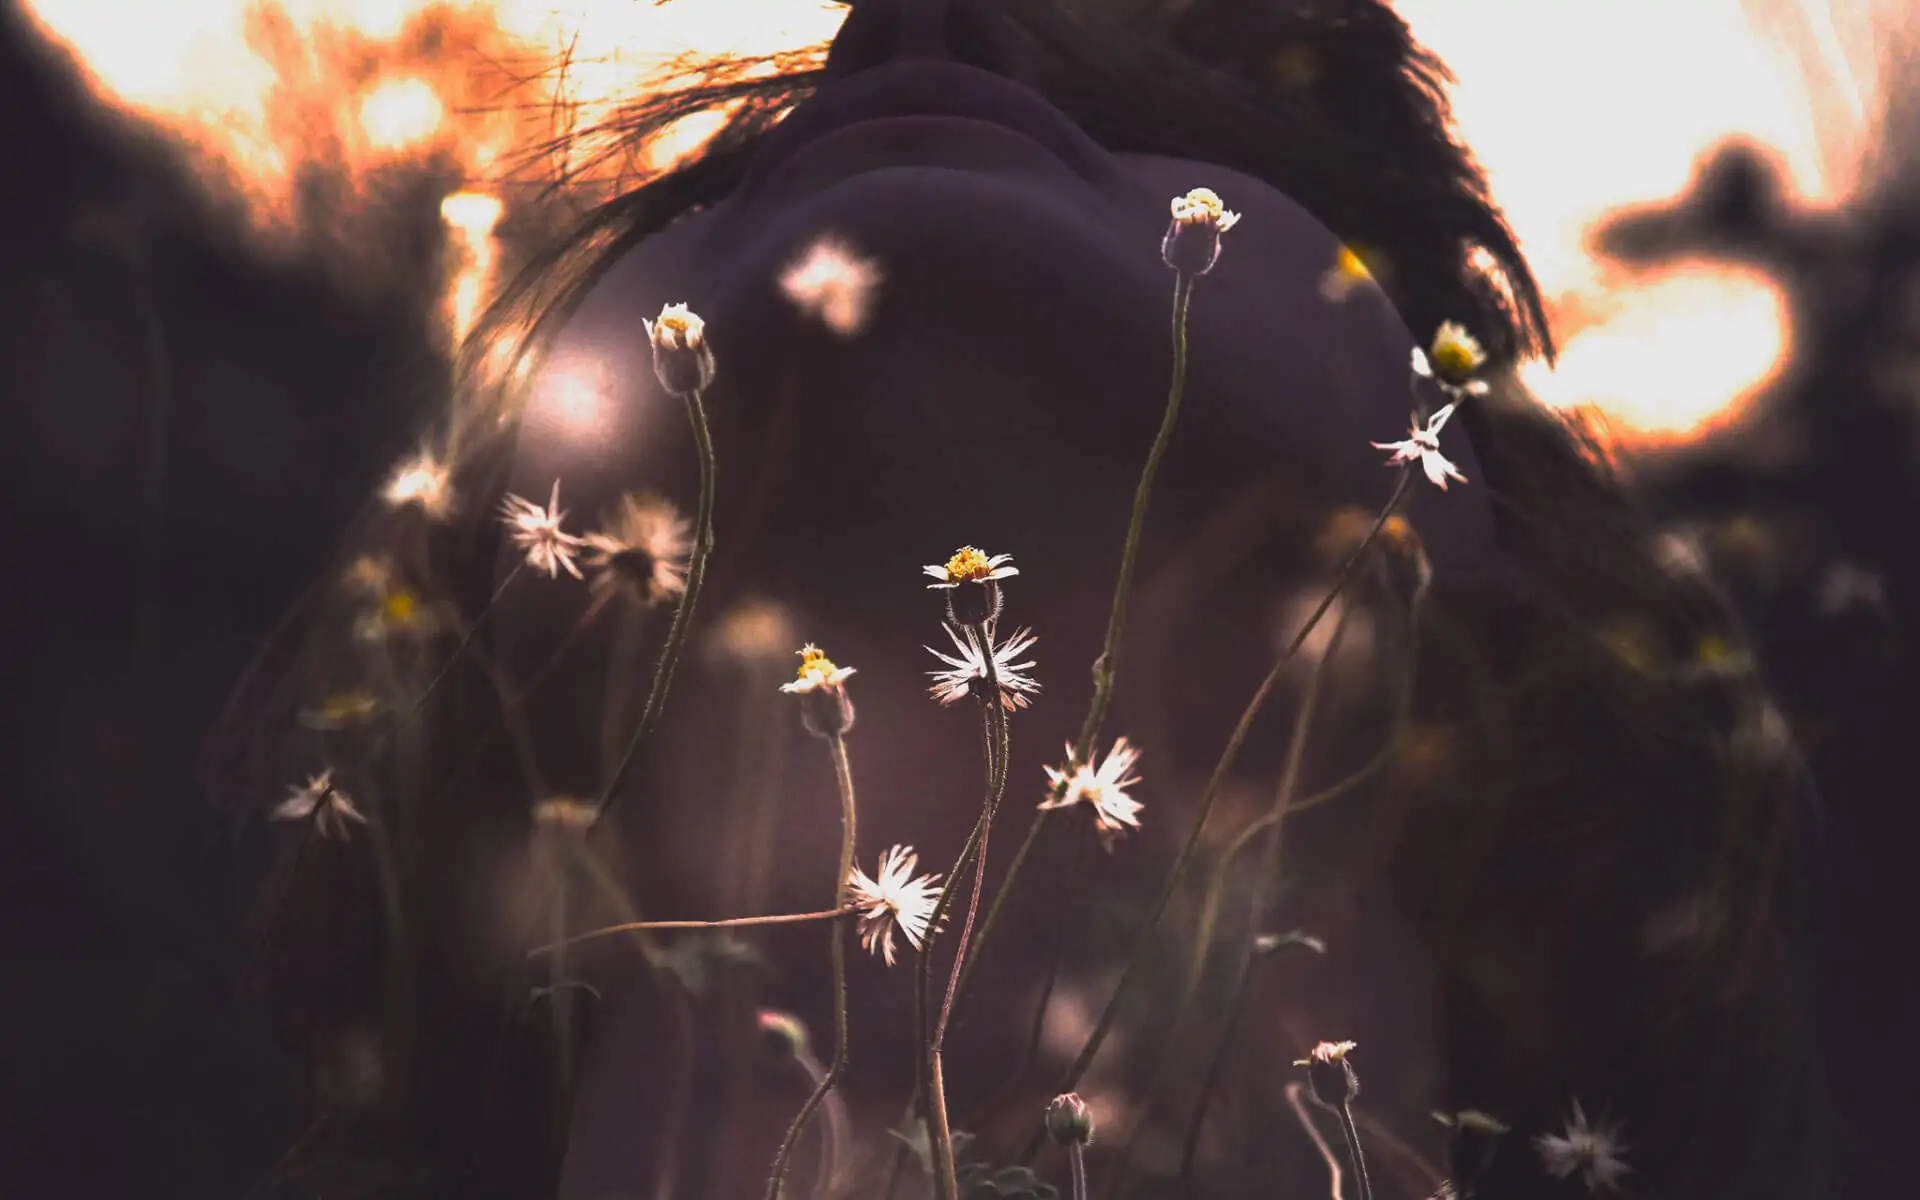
1620	913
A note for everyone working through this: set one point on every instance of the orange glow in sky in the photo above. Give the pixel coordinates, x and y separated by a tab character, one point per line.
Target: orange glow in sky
1575	107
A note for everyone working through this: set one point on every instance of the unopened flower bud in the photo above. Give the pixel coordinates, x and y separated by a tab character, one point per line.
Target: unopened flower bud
681	357
785	1033
1331	1074
1069	1120
1192	243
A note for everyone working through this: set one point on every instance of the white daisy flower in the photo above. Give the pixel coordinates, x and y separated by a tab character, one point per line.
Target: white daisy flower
895	899
421	480
682	359
329	807
537	532
816	671
971	666
1192	241
644	550
1455	357
832	284
1423	446
1597	1153
969	565
1105	788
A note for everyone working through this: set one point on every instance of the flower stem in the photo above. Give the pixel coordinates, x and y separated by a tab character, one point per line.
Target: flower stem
1077	1164
473	631
1354	1153
997	749
1106	666
1104	1024
825	914
682	613
843	775
1282	800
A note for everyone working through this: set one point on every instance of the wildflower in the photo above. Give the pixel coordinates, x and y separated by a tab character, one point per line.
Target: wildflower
370	574
399	610
1105	788
681	357
825	707
832	283
1192	242
979	603
339	710
1348	272
1330	1073
1456	356
318	798
1846	586
1597	1153
537	532
1069	1120
423	481
1423	446
895	899
643	551
956	682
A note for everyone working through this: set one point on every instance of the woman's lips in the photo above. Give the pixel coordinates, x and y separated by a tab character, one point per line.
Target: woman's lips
927	113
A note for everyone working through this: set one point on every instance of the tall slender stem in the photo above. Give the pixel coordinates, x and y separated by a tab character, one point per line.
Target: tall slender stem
1354	1153
825	914
1077	1164
997	746
682	613
843	775
1282	799
1104	1024
1106	666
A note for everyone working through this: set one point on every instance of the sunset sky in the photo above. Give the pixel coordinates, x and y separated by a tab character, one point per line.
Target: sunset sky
1575	107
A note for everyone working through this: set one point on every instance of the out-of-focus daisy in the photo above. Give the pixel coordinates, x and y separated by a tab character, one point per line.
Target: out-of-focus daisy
1454	359
424	481
1847	586
970	668
1349	271
753	632
1423	446
318	798
537	532
1597	1154
894	900
339	710
643	551
399	611
1104	788
832	284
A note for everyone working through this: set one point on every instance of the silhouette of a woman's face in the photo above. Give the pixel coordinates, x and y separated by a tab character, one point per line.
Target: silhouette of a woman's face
985	363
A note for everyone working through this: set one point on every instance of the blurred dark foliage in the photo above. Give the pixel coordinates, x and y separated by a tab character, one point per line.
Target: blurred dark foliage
190	424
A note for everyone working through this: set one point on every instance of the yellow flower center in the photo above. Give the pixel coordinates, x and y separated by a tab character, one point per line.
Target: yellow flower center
1203	204
814	663
1455	354
399	606
967	566
1352	265
1714	650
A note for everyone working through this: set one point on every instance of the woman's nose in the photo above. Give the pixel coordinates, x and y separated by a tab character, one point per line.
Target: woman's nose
963	31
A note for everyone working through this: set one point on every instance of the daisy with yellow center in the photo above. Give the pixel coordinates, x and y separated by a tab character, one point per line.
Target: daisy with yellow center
682	359
969	565
1454	358
1348	272
1203	206
1192	242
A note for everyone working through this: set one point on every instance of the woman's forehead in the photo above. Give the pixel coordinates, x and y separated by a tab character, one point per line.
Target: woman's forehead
893	302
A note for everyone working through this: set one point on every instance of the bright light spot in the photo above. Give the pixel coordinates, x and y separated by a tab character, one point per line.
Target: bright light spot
832	284
1674	357
572	394
400	113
